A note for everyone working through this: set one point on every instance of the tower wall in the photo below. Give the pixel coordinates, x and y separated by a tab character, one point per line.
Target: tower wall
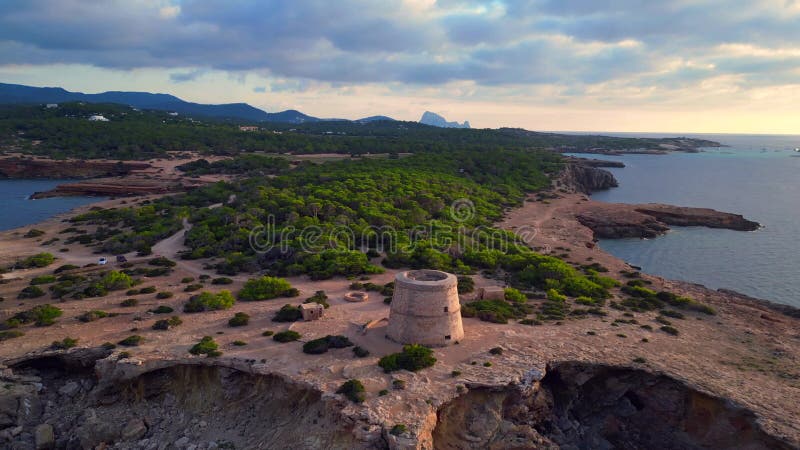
425	309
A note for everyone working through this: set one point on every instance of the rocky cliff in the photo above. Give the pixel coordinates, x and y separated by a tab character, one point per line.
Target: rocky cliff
583	177
580	405
43	168
86	398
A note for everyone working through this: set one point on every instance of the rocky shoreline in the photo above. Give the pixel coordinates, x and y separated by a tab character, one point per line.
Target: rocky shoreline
27	167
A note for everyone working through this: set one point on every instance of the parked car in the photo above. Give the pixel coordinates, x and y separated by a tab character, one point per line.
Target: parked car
121	259
102	261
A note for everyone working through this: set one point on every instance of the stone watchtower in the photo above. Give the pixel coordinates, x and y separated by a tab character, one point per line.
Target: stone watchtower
425	309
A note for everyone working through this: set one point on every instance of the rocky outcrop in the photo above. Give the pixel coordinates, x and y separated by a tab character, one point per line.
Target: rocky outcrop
16	167
585	178
110	188
591	162
616	220
582	405
703	217
433	119
197	403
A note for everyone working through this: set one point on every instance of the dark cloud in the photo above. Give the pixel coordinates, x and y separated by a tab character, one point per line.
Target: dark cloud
565	42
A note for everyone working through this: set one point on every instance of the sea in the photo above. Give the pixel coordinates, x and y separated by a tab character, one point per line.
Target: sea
757	176
17	209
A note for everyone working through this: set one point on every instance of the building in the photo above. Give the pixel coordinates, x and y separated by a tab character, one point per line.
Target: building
312	311
51	105
425	309
248	128
98	118
491	293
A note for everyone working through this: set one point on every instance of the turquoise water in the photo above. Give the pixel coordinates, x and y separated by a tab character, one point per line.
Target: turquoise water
757	176
17	210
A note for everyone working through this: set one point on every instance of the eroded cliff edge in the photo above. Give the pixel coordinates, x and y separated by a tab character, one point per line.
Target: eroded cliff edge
86	399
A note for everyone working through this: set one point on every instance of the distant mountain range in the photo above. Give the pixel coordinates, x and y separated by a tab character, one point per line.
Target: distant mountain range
20	94
429	118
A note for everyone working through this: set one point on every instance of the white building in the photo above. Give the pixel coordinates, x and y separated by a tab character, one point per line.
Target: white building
98	118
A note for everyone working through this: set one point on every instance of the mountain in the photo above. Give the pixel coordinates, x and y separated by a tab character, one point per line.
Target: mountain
17	93
375	119
429	118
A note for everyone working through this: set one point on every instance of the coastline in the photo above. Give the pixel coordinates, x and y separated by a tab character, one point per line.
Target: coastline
710	355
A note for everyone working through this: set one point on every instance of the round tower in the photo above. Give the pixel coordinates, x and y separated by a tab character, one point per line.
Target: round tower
425	309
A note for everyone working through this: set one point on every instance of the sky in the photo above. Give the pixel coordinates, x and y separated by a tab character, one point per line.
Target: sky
727	66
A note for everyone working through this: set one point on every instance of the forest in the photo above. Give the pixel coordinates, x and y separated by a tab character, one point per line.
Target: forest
129	133
356	216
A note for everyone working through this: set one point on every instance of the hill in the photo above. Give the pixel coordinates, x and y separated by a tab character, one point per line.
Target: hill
20	94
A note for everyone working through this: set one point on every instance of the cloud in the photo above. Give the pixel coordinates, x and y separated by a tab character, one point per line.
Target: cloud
183	77
567	43
260	89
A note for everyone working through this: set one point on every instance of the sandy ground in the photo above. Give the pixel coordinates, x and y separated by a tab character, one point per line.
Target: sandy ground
746	352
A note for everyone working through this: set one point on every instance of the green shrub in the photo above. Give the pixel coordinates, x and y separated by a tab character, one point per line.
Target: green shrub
65	267
108	346
414	357
496	311
42	315
10	334
64	344
239	343
132	292
321	345
131	341
32	233
162	309
163	295
455	373
187	279
673	314
319	297
43	279
465	284
30	292
222	280
514	296
669	330
239	319
128	302
268	333
286	336
639	360
266	288
114	281
91	316
360	352
207	346
496	350
38	260
193	287
487	364
147	290
353	390
288	313
162	261
555	307
166	324
383	392
207	301
398	429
